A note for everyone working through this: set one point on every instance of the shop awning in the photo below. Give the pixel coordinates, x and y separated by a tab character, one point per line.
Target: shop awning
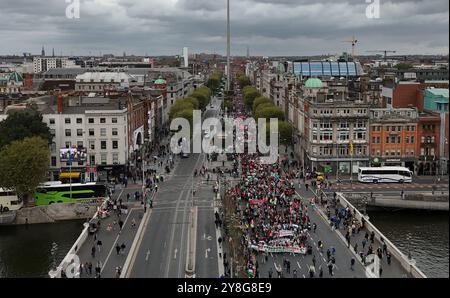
73	175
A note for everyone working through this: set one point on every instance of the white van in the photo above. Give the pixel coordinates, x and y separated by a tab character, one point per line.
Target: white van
9	201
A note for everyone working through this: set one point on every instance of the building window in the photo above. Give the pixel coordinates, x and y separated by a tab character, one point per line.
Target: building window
68	145
115	158
115	132
344	136
387	128
413	128
393	140
92	145
67	120
79	132
378	140
103	132
399	140
102	120
387	140
91	132
53	161
80	144
103	145
103	159
115	144
412	140
393	152
114	120
68	133
91	120
374	140
51	121
423	140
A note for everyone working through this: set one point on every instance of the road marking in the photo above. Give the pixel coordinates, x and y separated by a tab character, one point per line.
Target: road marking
115	242
175	253
147	255
304	276
206	252
298	264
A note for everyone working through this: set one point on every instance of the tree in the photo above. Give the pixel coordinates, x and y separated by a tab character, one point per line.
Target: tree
263	106
186	114
23	124
403	66
180	106
193	100
260	100
285	131
24	165
203	95
244	81
270	112
214	80
249	96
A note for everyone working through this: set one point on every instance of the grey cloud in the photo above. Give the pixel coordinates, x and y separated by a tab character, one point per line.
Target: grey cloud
283	27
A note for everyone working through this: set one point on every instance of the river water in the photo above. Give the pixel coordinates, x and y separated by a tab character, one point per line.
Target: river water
25	251
424	234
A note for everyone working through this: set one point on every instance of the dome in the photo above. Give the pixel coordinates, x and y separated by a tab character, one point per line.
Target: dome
160	81
313	83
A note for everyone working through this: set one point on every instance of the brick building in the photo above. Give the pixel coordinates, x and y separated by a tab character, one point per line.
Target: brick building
393	137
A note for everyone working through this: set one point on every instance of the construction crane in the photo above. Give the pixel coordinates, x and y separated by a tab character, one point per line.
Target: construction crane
383	51
353	41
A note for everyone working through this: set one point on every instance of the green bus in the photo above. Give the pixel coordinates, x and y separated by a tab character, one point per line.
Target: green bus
56	192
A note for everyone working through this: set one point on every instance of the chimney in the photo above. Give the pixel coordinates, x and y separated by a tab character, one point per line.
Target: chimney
60	104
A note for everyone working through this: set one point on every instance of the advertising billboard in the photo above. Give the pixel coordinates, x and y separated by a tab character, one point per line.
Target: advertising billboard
72	154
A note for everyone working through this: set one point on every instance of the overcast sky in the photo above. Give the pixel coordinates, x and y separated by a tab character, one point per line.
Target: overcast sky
268	27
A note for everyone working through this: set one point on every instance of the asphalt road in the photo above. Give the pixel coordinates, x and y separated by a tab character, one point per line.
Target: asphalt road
163	249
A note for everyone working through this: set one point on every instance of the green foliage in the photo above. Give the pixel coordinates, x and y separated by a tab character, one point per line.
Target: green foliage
244	81
260	100
23	124
24	164
185	114
250	93
214	80
179	106
263	106
285	131
203	95
403	66
270	112
192	100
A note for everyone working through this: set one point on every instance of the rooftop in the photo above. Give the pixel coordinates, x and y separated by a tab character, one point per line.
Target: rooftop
440	92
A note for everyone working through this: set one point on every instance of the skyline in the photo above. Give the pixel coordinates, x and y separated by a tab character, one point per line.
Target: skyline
268	27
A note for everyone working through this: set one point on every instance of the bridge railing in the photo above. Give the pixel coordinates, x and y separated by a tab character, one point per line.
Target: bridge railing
72	254
407	264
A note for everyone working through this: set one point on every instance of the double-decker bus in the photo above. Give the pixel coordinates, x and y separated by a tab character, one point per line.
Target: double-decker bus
385	175
9	201
56	192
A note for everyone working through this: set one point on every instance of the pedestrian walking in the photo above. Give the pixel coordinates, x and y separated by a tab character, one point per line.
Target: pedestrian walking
352	264
330	268
314	260
118	249
320	271
122	248
133	223
90	268
99	245
93	251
